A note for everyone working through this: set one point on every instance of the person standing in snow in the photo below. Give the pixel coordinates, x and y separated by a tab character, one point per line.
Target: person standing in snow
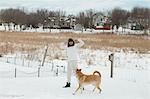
73	57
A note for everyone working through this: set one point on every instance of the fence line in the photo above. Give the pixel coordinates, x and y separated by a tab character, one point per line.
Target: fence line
38	72
121	73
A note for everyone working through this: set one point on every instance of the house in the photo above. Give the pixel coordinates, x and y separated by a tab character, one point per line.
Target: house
136	26
101	22
51	22
60	22
133	24
70	21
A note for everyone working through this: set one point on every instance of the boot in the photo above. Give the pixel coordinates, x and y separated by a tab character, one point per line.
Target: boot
67	85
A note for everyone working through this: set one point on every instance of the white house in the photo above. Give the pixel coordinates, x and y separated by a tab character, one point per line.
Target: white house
101	22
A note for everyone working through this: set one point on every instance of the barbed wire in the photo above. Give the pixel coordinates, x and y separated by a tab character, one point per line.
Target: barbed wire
6	71
28	73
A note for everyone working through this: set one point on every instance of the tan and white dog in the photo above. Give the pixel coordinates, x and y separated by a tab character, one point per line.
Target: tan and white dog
88	79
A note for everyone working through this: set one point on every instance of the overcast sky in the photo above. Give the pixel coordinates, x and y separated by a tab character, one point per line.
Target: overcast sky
73	6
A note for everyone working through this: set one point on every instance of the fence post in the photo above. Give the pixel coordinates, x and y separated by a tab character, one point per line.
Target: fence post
23	62
57	72
15	72
111	59
39	72
46	48
52	65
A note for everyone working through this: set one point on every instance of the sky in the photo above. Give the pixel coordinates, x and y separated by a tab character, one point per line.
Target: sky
73	6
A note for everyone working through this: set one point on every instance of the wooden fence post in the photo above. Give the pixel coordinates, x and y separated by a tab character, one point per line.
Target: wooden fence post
57	72
52	65
15	72
111	59
39	72
23	62
46	48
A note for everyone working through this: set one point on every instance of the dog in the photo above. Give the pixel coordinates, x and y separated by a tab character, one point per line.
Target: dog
87	80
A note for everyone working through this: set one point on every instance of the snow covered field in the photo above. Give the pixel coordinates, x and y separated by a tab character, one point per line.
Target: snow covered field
131	77
51	87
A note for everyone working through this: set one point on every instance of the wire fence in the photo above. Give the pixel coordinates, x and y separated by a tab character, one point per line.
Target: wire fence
51	68
121	69
38	72
20	61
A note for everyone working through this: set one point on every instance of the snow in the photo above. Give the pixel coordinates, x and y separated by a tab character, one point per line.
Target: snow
46	88
131	77
51	87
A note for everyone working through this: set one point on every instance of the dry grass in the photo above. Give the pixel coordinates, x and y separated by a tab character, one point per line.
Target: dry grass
14	41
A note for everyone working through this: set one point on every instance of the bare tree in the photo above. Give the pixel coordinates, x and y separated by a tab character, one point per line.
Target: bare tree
33	20
89	14
16	16
85	18
20	18
119	17
42	15
141	16
7	16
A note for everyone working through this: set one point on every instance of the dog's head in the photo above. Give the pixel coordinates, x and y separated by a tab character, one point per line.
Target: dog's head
78	71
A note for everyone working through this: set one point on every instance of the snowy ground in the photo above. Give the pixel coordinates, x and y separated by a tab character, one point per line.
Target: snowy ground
51	87
131	78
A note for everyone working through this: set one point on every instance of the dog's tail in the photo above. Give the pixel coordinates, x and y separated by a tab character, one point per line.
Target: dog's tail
97	73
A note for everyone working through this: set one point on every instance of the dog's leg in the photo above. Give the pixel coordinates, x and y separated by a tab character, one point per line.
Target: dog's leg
77	89
99	89
94	89
82	89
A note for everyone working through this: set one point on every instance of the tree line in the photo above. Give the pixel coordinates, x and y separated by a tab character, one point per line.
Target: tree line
119	17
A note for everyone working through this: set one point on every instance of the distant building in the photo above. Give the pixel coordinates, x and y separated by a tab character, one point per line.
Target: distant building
101	22
60	23
133	25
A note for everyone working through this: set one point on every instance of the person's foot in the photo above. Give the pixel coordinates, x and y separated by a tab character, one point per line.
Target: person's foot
67	85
